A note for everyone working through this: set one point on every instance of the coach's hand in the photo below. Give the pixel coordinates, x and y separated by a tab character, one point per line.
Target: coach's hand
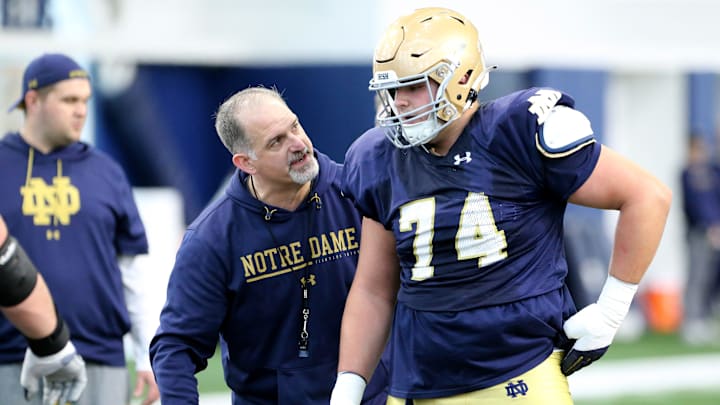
348	390
63	373
595	326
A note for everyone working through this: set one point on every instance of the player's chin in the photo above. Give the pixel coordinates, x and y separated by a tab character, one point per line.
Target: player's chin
67	138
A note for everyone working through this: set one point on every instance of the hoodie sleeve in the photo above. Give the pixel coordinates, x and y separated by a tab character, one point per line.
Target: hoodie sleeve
130	237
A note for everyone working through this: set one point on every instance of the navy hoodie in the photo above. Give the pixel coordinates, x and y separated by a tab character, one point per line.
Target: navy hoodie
238	277
73	211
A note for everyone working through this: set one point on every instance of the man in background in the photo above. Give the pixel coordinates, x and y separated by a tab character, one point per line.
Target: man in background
72	209
701	207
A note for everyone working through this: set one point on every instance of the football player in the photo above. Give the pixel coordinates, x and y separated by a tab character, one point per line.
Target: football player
461	259
26	301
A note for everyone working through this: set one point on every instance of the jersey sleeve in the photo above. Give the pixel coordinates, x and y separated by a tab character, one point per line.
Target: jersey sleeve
559	138
362	171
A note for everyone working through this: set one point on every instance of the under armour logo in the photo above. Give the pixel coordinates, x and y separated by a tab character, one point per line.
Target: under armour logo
518	388
464	159
310	280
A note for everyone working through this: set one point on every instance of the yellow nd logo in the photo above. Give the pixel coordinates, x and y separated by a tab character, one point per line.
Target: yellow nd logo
42	201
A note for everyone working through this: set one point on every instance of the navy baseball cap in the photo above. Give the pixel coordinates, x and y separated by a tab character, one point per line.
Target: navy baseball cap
45	70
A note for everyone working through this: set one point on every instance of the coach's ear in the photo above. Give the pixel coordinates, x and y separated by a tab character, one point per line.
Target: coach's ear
244	162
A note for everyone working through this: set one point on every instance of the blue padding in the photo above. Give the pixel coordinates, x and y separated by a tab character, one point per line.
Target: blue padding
161	128
703	105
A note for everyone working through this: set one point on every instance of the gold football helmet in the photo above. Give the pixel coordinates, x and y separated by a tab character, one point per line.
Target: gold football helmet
430	44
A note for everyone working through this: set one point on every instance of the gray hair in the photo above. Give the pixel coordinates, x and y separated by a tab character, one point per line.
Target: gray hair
227	119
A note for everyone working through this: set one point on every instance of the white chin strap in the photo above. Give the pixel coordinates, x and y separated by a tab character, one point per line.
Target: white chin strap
421	132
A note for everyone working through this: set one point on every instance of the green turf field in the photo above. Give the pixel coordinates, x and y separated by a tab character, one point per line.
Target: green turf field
655	344
658	345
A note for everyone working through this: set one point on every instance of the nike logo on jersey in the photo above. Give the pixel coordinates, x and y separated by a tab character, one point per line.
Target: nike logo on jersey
462	159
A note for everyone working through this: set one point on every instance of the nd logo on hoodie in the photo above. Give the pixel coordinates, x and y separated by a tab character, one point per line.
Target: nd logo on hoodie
57	201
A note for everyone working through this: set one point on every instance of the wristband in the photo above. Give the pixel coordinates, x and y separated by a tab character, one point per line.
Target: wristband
352	373
53	343
615	299
349	388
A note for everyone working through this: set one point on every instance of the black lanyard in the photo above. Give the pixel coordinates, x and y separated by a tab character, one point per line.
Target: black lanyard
305	280
304	342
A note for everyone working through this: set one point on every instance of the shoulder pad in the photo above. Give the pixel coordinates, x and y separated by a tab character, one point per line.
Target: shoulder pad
564	131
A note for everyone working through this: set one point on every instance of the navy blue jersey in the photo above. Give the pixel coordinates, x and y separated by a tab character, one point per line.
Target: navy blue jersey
479	238
238	277
73	212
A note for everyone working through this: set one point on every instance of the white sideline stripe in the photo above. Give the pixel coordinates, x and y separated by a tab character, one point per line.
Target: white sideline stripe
652	375
619	377
216	399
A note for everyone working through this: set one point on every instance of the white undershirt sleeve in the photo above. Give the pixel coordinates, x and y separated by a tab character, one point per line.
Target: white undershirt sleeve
144	317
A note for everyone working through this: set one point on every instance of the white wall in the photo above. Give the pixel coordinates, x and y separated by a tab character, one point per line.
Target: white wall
646	44
618	34
643	35
646	121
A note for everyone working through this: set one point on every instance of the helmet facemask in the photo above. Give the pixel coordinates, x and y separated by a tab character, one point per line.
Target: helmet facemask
422	124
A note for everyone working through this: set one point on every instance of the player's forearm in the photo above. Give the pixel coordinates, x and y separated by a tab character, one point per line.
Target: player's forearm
639	230
365	328
24	298
35	317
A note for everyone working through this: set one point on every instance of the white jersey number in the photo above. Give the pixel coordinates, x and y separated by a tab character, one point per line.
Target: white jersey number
477	235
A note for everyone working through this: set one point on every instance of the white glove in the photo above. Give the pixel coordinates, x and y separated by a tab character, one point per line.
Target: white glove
348	390
63	373
595	326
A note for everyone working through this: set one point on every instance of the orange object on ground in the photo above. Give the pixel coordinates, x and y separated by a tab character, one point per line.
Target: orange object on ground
662	304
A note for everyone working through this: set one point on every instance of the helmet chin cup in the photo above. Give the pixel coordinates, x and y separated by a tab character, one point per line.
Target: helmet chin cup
419	133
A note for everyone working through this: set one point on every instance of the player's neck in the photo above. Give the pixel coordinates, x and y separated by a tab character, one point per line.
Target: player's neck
441	145
284	196
31	136
44	137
